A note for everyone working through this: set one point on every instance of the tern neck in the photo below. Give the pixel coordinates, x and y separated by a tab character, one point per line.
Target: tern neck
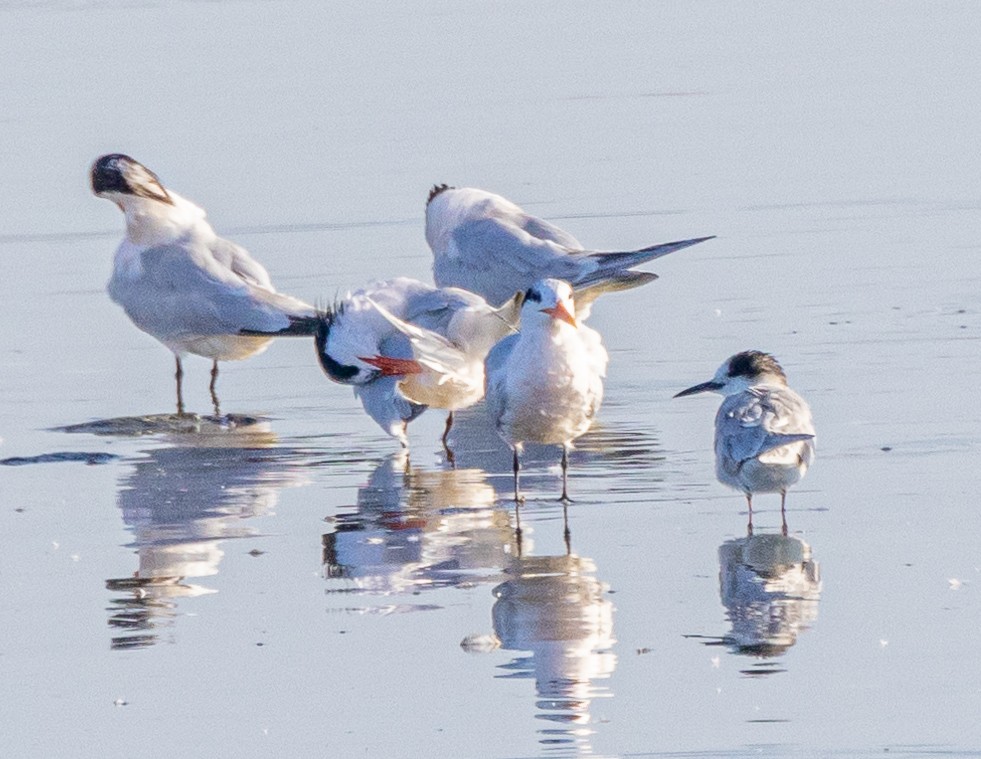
150	222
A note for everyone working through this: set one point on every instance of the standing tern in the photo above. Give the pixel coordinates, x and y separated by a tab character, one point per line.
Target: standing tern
181	283
405	345
764	434
545	384
484	243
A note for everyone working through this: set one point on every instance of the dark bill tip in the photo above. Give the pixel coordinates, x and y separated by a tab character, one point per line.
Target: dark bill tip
702	388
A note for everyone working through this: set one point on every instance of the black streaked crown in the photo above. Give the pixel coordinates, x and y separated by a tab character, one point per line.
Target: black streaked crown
531	294
753	364
109	175
437	189
117	172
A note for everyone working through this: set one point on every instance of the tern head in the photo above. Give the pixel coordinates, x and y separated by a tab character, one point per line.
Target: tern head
437	189
551	297
739	372
118	177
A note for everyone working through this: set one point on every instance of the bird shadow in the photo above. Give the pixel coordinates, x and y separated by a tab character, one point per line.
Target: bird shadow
163	424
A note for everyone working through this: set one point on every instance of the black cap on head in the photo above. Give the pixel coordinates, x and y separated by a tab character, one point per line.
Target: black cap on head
754	363
117	172
437	189
107	173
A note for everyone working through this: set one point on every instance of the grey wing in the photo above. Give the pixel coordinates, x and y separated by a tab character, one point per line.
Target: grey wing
394	294
250	271
496	259
760	419
788	419
183	291
381	397
543	230
237	259
495	377
386	405
435	309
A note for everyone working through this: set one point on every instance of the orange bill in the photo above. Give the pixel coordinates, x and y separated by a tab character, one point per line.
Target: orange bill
561	312
393	367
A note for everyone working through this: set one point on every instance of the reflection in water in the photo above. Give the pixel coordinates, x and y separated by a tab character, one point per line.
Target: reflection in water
181	502
770	587
555	608
627	459
417	529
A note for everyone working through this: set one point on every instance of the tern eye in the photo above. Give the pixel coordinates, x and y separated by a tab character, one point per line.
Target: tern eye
533	295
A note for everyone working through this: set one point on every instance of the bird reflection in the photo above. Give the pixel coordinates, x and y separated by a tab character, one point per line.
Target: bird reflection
623	457
556	609
181	502
417	529
770	586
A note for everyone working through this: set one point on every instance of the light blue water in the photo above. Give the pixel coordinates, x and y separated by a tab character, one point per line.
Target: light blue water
289	588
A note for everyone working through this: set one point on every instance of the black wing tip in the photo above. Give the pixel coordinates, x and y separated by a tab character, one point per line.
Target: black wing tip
676	245
303	325
299	326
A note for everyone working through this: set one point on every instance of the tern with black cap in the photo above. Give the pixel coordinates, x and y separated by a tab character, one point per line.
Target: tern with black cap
179	282
545	384
764	433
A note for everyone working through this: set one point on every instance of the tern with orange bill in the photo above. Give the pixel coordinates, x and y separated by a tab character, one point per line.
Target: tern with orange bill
405	345
545	384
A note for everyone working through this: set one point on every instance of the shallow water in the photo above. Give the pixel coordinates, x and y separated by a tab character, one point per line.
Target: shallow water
287	585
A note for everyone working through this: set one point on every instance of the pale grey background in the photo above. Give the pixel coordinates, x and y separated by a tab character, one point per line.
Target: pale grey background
832	148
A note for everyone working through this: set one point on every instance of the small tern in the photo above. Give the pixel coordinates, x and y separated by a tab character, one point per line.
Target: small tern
764	435
181	283
545	384
405	345
484	243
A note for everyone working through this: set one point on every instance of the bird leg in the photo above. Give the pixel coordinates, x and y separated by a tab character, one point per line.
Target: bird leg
565	476
565	532
749	505
783	512
404	441
518	498
211	387
179	375
446	446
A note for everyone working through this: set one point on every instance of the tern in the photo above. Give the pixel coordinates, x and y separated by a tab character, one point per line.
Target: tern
484	243
179	282
405	345
545	384
764	434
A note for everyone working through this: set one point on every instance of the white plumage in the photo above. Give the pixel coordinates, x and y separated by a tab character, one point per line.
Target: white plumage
545	384
484	243
181	283
764	434
405	345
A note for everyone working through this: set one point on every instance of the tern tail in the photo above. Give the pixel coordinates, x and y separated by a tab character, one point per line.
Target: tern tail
614	264
299	326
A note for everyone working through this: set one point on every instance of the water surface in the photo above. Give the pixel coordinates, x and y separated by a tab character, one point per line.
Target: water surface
292	587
